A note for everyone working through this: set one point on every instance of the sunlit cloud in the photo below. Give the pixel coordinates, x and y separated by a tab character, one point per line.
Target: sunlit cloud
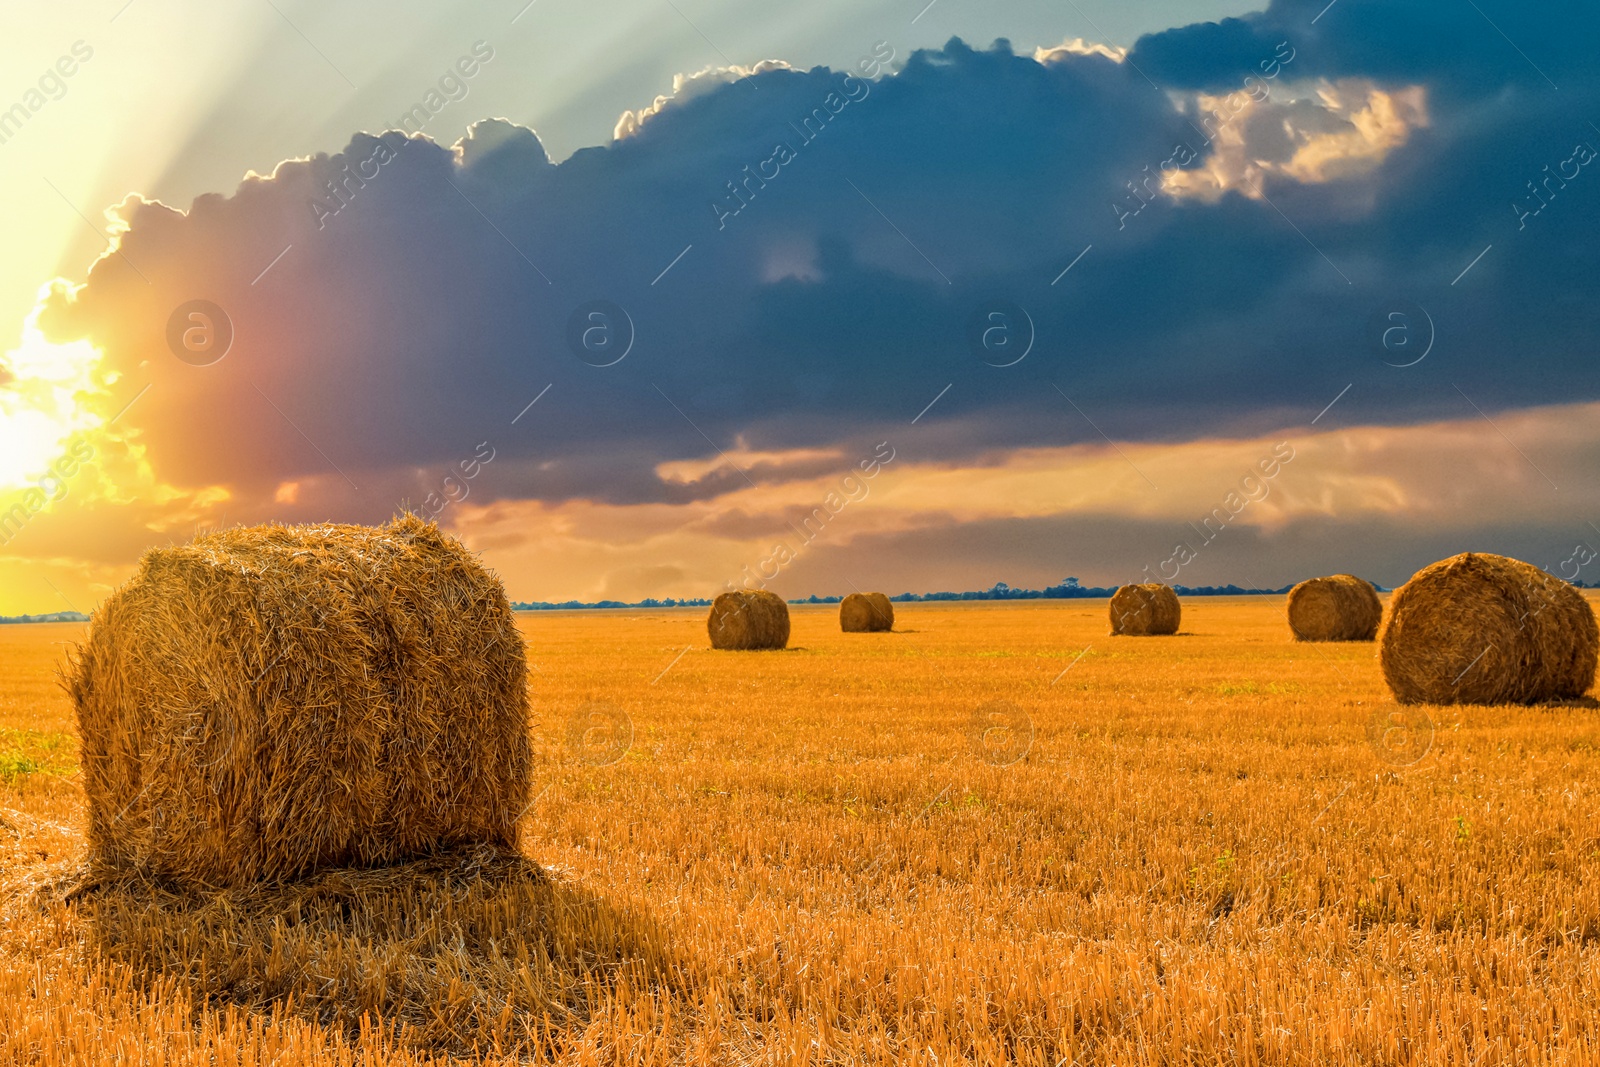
425	317
1077	46
1314	133
686	87
741	457
1430	478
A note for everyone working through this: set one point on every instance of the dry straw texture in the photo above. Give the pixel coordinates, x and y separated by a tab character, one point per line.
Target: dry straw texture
1204	860
1340	607
443	950
1145	610
866	613
1483	629
269	700
748	619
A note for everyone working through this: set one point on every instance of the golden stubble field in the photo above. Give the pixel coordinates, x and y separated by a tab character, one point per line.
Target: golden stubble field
1206	853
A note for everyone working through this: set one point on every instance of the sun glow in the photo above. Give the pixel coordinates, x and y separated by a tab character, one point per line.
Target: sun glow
44	387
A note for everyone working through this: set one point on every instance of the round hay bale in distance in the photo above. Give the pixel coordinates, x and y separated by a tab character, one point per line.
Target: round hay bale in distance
269	700
866	613
1485	629
1145	610
748	619
1340	607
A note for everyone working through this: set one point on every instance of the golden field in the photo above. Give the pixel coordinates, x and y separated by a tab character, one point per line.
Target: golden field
1209	848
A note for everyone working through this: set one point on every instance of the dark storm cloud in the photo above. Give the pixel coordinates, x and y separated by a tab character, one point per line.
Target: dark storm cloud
1467	50
823	298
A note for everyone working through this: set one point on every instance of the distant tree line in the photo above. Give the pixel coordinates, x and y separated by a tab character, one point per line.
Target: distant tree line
1068	589
56	616
569	605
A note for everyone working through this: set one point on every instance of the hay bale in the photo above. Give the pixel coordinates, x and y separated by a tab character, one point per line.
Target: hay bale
748	619
866	613
1483	629
269	700
1145	610
1340	607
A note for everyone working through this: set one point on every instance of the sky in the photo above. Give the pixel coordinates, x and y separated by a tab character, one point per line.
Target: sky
649	299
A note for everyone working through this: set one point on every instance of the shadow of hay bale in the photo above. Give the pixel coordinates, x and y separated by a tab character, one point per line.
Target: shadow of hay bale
1587	703
475	948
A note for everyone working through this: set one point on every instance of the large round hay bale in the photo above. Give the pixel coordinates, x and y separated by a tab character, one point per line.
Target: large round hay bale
1340	607
1145	610
748	619
269	700
1483	629
866	613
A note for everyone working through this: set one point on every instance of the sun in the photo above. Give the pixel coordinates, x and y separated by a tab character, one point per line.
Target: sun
44	389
